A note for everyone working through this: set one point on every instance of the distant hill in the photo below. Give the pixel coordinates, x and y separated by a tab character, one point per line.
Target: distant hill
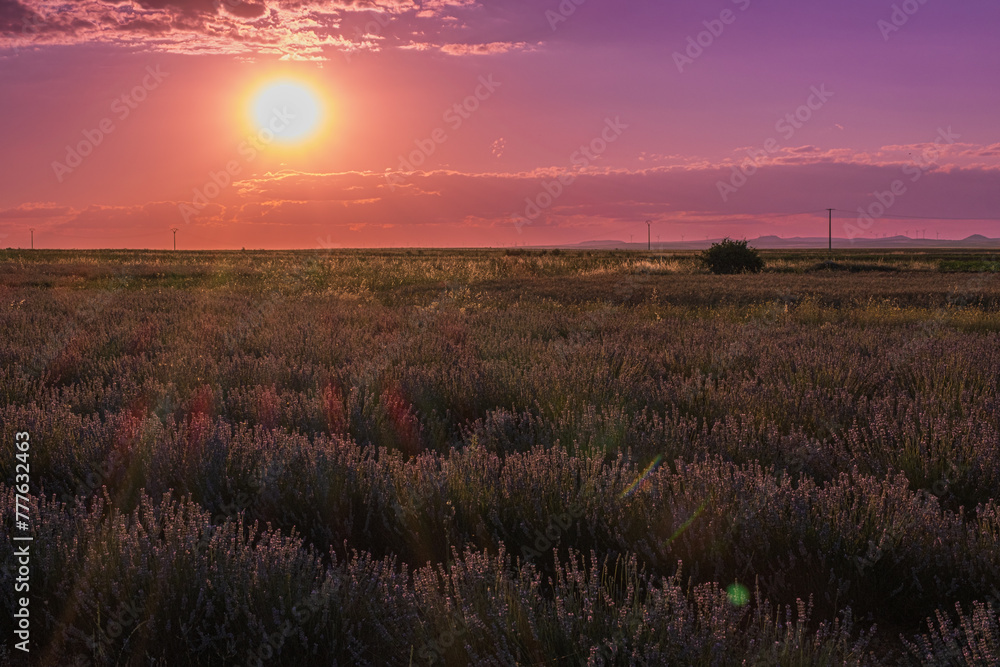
799	242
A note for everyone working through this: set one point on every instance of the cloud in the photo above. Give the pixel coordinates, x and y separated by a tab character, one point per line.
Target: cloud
983	151
36	211
246	10
289	29
596	199
936	155
491	48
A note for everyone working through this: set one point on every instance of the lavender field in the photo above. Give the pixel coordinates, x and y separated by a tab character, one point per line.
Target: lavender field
503	458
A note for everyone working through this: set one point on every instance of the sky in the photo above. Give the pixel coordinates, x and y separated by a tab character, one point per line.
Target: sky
398	123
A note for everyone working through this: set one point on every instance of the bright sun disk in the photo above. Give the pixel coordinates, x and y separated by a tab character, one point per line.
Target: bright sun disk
288	109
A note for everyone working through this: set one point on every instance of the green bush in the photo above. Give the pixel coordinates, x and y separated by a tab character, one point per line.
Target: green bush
968	265
729	256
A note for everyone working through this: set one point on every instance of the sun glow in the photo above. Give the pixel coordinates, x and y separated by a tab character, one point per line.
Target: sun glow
287	111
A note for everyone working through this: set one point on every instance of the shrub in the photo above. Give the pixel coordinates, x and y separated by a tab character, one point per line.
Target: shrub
729	256
974	641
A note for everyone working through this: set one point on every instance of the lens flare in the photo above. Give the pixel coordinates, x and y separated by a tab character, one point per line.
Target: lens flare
738	594
686	524
645	473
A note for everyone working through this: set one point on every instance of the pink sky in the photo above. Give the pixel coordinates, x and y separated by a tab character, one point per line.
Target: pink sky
576	120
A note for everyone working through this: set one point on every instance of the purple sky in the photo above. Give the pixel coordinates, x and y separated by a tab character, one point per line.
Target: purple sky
676	122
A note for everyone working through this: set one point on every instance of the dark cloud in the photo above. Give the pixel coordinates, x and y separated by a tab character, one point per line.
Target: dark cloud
296	29
151	27
611	197
246	10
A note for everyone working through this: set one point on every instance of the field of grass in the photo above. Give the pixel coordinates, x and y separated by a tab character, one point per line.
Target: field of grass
418	457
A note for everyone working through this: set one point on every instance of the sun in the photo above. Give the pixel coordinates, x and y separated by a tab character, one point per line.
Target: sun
287	111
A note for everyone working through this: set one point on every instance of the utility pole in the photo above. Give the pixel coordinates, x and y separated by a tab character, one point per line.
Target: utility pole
649	235
174	230
830	231
32	230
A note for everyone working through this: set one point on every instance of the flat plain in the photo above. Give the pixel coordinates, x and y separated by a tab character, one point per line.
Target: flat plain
504	457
